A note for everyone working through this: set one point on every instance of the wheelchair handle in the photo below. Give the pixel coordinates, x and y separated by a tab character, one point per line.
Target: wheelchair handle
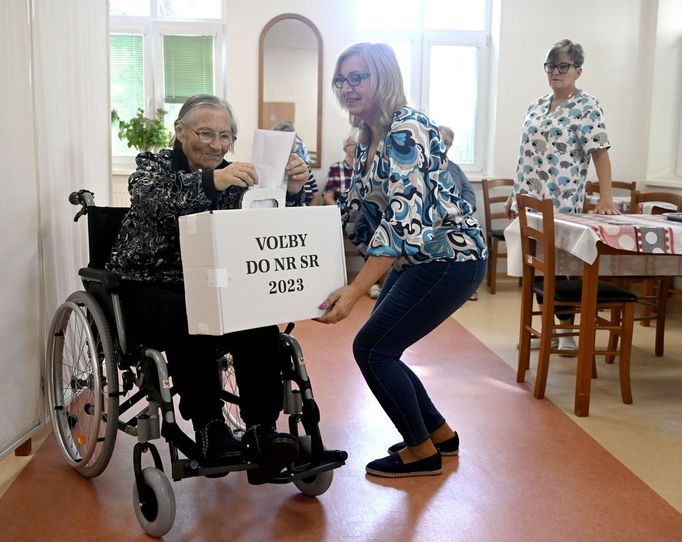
84	198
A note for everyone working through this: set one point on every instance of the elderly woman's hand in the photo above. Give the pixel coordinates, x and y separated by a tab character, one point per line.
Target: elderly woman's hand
297	174
235	174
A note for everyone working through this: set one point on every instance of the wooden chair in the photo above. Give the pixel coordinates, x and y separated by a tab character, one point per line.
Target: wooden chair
539	257
495	194
626	188
671	198
653	297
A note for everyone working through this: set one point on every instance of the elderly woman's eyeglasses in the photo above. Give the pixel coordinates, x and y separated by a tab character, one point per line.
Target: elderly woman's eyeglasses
353	79
563	67
208	136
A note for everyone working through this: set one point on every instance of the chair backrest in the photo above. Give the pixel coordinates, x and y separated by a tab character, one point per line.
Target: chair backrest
537	244
671	198
624	188
104	224
495	194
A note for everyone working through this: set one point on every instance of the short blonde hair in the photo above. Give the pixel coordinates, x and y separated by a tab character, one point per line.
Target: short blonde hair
350	139
385	80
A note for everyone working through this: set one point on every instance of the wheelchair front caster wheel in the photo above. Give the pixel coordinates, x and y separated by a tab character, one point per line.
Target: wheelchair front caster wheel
315	485
155	508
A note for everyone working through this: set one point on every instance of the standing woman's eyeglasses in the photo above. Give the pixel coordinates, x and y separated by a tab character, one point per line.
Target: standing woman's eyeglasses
563	67
353	79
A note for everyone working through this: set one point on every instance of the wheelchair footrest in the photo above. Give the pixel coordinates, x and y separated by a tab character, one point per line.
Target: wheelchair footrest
187	468
331	459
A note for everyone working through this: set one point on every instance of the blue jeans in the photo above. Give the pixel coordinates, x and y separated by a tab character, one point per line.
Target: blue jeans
413	302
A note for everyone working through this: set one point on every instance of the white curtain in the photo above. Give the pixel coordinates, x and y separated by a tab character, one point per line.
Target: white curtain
55	130
71	70
20	347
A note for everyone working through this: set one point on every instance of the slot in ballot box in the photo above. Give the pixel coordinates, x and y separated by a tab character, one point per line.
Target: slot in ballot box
254	267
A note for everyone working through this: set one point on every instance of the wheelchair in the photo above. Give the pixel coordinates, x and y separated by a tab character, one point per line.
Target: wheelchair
95	377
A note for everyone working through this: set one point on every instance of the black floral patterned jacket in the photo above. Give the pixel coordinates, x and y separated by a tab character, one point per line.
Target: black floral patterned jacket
162	189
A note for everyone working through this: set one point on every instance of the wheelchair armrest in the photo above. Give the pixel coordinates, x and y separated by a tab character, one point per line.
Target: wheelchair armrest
107	279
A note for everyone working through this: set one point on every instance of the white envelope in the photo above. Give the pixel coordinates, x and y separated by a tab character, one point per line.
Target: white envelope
270	154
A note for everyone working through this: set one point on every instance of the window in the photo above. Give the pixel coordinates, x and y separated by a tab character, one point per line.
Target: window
162	52
442	48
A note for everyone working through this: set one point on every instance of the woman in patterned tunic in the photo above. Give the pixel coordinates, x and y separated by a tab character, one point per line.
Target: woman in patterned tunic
403	211
189	178
561	133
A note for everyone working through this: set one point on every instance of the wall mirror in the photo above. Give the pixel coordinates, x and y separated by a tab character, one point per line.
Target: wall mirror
290	79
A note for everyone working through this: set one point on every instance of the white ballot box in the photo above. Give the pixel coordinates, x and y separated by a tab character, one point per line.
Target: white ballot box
255	267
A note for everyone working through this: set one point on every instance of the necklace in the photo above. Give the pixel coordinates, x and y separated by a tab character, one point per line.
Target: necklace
571	94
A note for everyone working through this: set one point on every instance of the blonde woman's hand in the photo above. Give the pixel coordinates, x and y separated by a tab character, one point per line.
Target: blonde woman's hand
339	304
235	174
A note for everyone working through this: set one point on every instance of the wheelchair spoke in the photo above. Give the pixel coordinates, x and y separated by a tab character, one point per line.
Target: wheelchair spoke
82	375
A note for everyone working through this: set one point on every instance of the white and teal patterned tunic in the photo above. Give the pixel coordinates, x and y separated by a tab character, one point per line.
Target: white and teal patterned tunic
407	206
556	150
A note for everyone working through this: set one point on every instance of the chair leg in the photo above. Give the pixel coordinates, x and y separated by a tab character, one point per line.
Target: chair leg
524	334
545	345
616	317
648	290
492	266
661	310
625	351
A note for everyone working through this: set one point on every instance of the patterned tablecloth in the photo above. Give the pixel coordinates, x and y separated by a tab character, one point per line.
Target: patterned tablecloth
650	238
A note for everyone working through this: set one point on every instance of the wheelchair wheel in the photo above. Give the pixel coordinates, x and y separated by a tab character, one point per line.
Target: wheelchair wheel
155	508
317	484
83	384
229	383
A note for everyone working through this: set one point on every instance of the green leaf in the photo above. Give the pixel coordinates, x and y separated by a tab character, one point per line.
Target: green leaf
141	132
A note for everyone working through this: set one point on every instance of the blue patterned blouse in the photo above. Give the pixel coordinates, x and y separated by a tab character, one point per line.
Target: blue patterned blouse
407	207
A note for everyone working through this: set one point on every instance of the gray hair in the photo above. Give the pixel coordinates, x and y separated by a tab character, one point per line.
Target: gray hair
284	126
386	82
205	100
446	130
566	47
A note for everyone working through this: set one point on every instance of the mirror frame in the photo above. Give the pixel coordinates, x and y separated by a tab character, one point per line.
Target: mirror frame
316	163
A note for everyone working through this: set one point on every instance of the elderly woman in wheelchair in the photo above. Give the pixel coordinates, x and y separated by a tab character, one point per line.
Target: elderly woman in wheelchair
91	344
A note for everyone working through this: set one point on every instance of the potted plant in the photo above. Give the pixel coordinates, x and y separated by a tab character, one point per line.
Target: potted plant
143	133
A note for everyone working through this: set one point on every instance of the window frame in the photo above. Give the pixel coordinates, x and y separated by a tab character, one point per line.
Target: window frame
481	43
421	39
153	29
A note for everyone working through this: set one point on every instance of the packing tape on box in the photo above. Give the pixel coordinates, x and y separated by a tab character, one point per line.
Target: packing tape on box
217	278
191	221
